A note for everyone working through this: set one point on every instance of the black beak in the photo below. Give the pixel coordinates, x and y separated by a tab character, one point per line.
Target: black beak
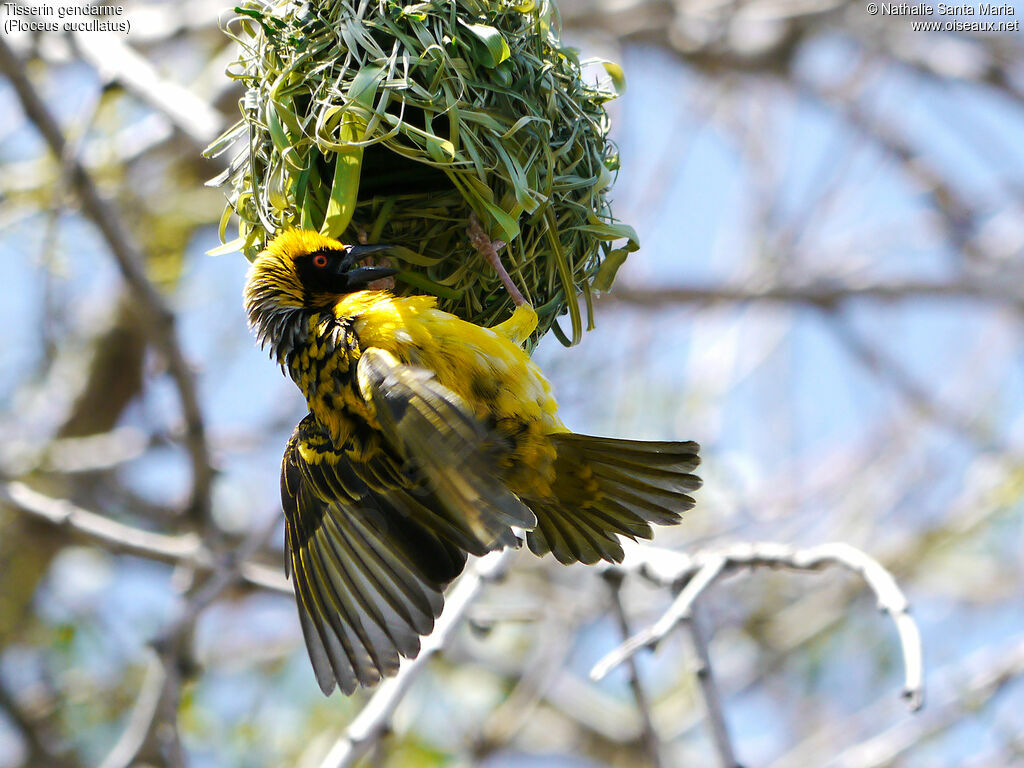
361	276
356	252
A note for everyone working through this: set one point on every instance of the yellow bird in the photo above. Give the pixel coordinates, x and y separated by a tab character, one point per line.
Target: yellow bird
427	438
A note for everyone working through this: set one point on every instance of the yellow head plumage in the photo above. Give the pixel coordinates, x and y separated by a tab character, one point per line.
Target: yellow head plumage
302	271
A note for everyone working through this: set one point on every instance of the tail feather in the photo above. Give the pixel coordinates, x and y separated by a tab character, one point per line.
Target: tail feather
671	480
573	538
618	518
636	490
605	488
679	457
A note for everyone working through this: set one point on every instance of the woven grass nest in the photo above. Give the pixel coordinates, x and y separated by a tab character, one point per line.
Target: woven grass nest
381	121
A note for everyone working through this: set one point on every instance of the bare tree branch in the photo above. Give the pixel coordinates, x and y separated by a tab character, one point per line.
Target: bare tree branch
678	612
37	739
117	61
152	730
960	218
983	678
821	294
143	714
892	371
959	688
709	692
703	568
613	578
154	311
536	678
179	549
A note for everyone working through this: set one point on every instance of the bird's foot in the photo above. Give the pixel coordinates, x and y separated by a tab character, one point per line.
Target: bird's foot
489	250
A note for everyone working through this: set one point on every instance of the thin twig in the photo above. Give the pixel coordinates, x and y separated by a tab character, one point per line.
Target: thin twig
678	612
613	578
180	549
709	692
537	677
91	453
705	567
143	713
961	688
959	217
824	294
489	250
154	312
153	726
36	738
373	720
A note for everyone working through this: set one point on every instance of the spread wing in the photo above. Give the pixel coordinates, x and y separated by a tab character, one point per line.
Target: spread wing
377	528
368	574
451	448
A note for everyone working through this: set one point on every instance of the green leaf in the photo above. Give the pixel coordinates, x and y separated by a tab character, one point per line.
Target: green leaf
508	228
287	117
522	122
225	217
495	49
232	246
609	268
409	256
617	75
344	190
364	86
277	134
612	232
225	141
219	179
418	281
417	11
481	118
254	14
440	150
311	213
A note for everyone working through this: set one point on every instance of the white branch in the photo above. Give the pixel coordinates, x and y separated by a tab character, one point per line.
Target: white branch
177	549
702	569
116	60
142	716
153	725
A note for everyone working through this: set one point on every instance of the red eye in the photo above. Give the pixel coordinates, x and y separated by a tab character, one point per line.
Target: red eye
320	260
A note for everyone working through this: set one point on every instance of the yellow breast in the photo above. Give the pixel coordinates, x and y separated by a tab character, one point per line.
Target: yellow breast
483	366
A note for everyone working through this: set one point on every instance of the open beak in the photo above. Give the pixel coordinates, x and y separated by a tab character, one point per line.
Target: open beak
357	252
365	275
360	276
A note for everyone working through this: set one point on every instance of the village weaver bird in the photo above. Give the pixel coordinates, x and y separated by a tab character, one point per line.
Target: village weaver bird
428	438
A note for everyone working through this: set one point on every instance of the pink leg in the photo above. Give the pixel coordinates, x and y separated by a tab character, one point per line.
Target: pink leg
489	250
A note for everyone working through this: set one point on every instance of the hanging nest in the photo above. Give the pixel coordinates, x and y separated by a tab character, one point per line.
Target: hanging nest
382	121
